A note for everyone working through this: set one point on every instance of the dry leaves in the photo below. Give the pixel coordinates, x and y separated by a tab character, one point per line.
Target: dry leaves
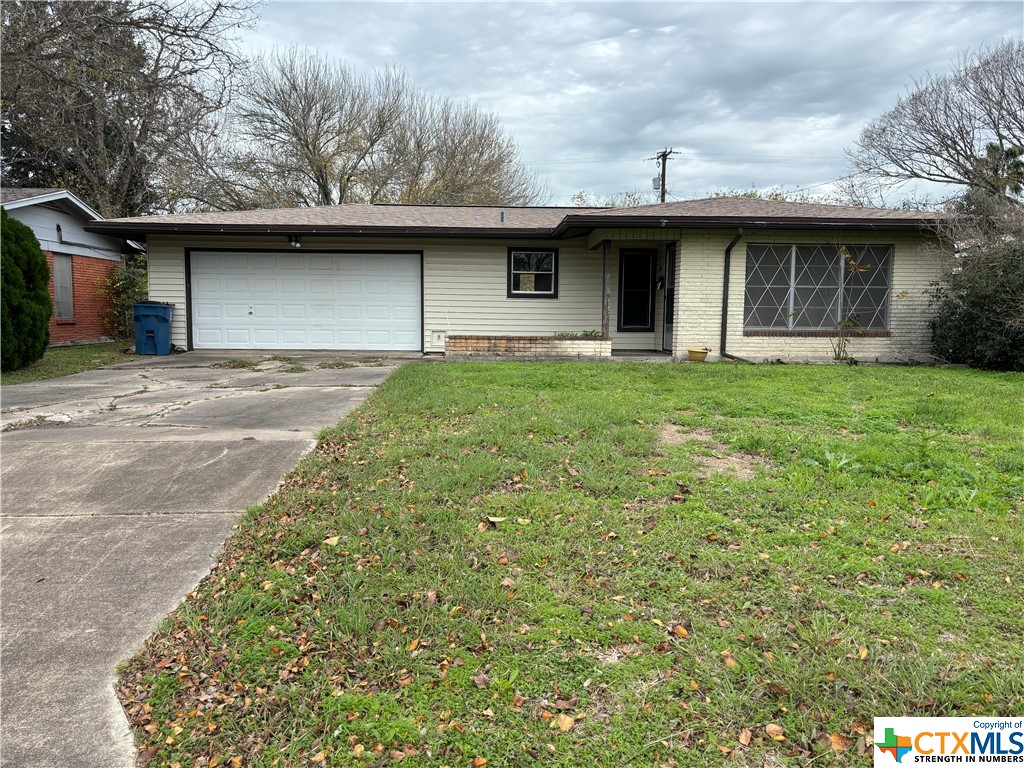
775	731
840	743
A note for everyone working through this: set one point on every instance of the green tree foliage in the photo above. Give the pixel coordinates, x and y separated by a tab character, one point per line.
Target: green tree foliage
24	295
123	289
980	318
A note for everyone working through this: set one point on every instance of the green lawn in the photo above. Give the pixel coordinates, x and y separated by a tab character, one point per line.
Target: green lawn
611	565
63	361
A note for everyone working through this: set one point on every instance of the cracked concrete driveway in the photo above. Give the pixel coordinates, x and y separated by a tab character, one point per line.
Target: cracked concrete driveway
118	488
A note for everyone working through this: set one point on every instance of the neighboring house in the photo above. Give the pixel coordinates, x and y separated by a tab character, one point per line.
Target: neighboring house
431	278
80	261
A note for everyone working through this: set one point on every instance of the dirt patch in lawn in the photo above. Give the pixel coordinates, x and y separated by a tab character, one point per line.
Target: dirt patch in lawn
673	434
721	462
741	465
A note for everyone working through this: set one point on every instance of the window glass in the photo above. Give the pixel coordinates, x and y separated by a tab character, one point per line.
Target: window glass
817	287
63	296
532	272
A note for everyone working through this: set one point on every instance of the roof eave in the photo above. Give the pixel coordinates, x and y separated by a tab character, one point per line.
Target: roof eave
54	197
139	230
586	223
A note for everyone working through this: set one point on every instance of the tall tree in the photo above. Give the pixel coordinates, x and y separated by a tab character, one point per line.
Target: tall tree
98	96
310	131
965	127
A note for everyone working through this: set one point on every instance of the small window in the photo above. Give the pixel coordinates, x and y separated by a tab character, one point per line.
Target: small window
63	296
533	273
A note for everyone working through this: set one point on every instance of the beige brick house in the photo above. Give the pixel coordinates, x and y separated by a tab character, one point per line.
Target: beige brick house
750	278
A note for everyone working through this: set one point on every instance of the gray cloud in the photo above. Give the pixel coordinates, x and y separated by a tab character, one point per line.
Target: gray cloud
759	94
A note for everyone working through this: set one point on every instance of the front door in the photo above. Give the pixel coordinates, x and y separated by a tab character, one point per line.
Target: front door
636	289
670	297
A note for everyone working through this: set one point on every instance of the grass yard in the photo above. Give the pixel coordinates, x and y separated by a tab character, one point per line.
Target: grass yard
611	565
63	361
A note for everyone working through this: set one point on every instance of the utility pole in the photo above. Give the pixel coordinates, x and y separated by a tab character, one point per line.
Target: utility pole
662	158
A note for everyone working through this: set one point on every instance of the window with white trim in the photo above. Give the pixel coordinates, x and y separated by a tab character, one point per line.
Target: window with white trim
817	287
533	273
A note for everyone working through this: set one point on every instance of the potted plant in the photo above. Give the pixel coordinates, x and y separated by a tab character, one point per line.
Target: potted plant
697	354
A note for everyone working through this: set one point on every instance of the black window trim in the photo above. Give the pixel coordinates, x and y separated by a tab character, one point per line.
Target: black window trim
553	294
652	293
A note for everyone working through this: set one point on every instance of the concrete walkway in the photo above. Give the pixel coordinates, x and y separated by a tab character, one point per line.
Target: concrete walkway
119	487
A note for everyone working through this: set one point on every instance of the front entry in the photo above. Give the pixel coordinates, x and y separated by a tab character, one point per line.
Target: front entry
636	289
670	298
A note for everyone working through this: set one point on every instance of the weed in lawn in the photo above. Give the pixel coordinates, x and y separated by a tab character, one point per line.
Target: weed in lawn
520	563
237	363
293	366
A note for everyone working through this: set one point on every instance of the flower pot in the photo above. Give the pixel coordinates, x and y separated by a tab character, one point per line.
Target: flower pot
697	355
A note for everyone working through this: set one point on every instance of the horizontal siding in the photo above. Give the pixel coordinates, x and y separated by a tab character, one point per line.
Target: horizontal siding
699	297
167	283
465	287
43	220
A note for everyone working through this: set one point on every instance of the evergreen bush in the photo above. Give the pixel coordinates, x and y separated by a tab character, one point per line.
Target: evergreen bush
24	296
124	288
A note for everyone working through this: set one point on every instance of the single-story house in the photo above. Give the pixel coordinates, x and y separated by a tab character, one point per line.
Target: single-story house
80	261
755	279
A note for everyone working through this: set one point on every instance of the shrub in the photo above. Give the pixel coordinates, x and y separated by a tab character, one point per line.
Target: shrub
24	295
123	288
970	326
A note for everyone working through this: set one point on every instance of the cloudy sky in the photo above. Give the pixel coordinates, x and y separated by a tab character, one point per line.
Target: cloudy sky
765	94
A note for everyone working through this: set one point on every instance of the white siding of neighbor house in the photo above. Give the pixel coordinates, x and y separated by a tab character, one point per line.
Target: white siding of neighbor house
43	220
699	296
465	288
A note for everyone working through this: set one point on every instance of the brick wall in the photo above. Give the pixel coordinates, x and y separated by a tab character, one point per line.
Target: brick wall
526	346
88	275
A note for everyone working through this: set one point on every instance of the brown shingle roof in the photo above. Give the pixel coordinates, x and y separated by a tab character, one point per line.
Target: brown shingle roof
750	208
12	194
511	221
391	216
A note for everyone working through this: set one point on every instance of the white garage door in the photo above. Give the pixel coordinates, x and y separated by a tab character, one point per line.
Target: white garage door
297	300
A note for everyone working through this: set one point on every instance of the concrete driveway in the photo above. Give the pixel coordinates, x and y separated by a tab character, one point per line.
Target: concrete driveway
118	488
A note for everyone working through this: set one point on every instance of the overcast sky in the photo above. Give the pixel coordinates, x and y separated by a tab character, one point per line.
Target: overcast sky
764	95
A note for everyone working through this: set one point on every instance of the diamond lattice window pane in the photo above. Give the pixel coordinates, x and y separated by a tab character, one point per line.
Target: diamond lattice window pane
766	298
867	286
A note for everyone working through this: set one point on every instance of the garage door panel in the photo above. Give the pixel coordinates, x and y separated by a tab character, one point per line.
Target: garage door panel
306	300
234	286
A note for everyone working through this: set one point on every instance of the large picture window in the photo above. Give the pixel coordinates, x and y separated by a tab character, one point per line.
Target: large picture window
533	273
817	287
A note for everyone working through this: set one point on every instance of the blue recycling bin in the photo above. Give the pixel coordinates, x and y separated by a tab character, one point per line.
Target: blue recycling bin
153	327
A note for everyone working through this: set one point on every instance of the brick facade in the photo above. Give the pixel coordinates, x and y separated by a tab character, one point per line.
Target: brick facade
525	346
88	276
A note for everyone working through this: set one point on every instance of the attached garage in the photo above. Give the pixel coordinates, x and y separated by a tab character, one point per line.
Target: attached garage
306	300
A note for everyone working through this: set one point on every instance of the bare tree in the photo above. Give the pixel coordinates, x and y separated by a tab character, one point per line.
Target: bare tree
100	96
964	128
309	131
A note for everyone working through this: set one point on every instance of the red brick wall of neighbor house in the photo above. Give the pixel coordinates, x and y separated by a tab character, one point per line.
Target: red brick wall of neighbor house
88	276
